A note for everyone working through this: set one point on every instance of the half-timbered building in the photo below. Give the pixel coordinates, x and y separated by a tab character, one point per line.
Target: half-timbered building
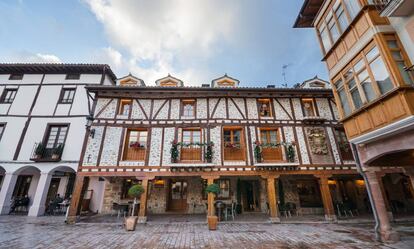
264	147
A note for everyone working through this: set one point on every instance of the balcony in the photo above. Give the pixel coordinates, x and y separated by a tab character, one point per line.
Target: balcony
394	8
42	154
135	153
233	152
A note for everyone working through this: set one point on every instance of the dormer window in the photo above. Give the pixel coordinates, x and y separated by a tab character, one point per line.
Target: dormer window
188	108
16	76
265	109
72	76
124	107
225	81
169	81
308	106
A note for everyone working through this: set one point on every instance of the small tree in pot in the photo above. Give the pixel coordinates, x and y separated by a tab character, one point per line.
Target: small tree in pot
135	191
212	219
57	152
39	150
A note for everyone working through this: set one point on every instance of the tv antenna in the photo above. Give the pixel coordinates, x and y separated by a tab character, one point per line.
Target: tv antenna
284	67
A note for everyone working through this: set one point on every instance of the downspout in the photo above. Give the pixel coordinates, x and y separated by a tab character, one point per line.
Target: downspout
374	210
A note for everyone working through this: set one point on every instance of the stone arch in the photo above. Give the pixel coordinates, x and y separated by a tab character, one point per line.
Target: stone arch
404	157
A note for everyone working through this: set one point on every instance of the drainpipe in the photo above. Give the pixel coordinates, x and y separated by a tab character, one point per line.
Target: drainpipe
374	210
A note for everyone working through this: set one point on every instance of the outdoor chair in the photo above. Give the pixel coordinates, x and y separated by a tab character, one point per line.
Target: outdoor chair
291	207
344	210
284	211
118	209
230	210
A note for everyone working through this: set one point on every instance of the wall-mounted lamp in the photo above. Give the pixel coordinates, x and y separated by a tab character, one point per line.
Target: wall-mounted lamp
92	133
89	121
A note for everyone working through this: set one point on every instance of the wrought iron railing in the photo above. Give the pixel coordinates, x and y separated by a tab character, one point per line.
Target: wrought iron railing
41	153
380	4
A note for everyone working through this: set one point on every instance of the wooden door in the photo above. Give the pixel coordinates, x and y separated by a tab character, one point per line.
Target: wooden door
178	196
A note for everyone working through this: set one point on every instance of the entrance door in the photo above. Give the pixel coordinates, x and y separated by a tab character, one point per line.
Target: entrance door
22	186
250	196
178	196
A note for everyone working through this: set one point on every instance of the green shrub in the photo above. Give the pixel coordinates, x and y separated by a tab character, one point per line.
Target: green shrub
136	190
213	188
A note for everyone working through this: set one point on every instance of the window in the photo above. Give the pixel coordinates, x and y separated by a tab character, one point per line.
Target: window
135	145
2	127
233	144
8	95
400	59
341	16
267	137
364	79
265	107
224	184
353	7
188	108
125	107
309	109
72	76
16	76
325	38
343	144
67	95
333	29
379	71
191	151
56	135
342	97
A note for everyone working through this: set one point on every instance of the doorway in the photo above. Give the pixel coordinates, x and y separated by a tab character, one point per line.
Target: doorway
53	190
250	195
177	196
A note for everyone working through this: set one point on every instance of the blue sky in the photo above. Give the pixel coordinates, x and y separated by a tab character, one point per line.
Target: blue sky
196	40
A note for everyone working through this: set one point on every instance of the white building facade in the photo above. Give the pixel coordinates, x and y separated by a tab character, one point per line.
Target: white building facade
43	113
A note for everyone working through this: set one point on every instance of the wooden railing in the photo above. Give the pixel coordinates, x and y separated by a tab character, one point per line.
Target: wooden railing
234	154
135	154
381	4
190	154
272	154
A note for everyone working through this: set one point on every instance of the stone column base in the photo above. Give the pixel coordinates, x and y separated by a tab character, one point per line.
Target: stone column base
142	219
71	220
274	220
390	236
331	218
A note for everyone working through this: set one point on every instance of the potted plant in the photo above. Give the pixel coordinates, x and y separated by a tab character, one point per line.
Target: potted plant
211	218
258	151
209	152
39	150
57	152
290	151
174	151
134	191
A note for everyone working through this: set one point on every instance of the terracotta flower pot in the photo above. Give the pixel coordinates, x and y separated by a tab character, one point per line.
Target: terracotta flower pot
212	222
130	223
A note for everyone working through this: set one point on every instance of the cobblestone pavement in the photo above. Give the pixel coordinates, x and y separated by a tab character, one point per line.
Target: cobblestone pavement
51	232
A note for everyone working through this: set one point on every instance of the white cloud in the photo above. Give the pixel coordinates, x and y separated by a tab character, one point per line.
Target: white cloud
28	57
159	37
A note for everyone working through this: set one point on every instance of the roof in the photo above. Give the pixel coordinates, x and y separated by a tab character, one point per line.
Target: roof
307	14
163	92
55	68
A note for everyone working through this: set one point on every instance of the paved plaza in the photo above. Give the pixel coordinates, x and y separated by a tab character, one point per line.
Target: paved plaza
51	232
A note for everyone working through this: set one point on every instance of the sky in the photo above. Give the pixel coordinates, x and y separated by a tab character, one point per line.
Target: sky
193	40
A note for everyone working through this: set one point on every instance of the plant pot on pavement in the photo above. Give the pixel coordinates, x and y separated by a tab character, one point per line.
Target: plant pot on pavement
212	222
130	223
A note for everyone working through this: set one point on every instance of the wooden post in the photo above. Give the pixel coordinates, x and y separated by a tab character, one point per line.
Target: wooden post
272	198
387	234
210	196
75	202
142	214
326	198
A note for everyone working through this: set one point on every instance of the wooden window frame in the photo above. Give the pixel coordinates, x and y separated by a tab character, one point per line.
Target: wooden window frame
242	142
126	144
72	76
16	76
191	141
218	197
269	103
303	101
62	100
49	127
121	108
3	96
184	102
278	149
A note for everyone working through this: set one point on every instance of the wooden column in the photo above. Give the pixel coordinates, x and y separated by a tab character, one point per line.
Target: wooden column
378	204
326	198
210	196
75	202
142	213
272	198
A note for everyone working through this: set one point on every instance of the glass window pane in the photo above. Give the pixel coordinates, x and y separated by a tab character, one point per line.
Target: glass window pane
397	55
236	136
404	73
273	137
344	102
353	7
356	98
333	29
372	54
369	92
392	44
359	65
381	75
325	39
363	75
343	21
